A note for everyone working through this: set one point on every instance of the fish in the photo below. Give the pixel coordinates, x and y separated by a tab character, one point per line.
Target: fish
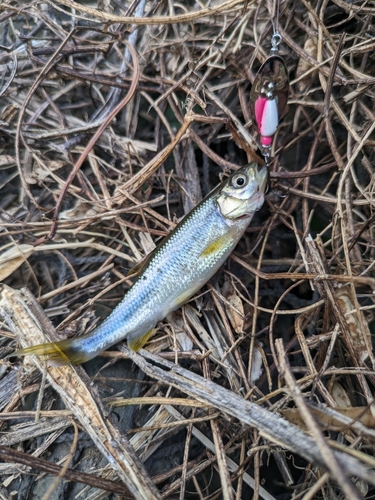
178	268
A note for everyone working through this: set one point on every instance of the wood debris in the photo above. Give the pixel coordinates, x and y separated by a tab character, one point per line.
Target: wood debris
116	118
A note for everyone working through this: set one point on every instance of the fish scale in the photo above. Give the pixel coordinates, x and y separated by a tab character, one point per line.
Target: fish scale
177	269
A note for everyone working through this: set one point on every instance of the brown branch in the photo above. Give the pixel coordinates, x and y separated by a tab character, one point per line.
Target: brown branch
183	18
18	457
339	278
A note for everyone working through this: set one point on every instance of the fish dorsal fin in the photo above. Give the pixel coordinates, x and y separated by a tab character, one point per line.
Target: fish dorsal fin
138	342
137	268
141	265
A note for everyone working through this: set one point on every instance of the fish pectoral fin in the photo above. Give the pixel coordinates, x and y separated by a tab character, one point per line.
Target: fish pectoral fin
216	246
138	342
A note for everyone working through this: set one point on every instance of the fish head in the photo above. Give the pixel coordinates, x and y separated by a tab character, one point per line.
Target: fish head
243	193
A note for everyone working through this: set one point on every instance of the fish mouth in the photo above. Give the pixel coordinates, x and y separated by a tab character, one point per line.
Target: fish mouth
262	178
255	206
244	216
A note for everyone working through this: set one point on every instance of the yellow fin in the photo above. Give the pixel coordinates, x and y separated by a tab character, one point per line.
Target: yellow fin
217	245
184	297
137	268
58	353
137	343
142	263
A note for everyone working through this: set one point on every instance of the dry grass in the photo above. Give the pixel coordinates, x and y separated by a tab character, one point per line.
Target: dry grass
109	134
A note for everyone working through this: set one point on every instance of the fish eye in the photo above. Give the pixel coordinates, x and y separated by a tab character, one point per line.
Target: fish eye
239	180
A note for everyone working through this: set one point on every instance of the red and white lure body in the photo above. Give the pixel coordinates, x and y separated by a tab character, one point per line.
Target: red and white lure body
268	98
267	118
270	90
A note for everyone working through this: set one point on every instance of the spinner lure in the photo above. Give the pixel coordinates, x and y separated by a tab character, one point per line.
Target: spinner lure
269	96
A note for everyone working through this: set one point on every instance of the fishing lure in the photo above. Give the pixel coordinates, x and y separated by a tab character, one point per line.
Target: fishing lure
176	270
270	90
268	97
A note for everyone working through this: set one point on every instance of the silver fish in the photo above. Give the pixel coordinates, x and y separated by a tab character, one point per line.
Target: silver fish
175	271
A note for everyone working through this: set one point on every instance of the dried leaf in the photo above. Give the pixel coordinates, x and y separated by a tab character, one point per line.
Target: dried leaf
340	395
184	341
43	170
80	210
303	67
7	160
362	487
234	307
256	365
147	243
355	319
13	258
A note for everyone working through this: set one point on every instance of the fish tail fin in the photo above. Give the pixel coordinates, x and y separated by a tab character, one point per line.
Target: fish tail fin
57	353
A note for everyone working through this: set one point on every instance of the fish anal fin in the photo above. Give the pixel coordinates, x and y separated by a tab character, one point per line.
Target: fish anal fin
138	342
215	246
184	297
57	353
